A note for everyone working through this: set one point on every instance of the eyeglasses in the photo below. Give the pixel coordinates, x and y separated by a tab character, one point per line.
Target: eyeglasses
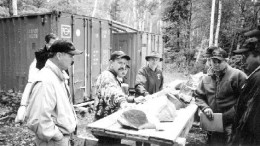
216	61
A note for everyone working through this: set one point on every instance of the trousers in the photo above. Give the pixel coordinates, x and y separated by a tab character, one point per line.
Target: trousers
65	141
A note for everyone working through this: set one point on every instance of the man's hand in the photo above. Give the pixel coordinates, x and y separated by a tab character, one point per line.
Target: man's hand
209	113
124	105
139	99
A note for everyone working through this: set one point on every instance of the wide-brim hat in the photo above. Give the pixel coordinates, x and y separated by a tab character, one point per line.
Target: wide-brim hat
153	55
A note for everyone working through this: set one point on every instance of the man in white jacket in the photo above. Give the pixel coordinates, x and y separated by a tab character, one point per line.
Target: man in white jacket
50	113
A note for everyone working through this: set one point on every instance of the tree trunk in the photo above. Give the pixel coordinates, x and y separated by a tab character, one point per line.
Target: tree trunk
13	7
178	38
189	24
135	14
95	7
212	23
151	25
219	21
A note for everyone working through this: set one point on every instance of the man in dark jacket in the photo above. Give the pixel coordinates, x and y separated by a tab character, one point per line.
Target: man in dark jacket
149	78
218	92
246	127
41	56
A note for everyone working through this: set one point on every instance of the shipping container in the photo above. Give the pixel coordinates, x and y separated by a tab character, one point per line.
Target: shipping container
21	36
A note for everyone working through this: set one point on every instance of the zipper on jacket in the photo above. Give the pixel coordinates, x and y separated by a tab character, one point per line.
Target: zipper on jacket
217	91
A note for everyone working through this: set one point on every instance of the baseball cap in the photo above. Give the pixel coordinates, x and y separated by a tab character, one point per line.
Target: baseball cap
119	55
209	51
249	45
219	53
64	46
215	52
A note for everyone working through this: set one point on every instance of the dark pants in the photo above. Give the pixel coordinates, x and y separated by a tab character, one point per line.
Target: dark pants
138	143
108	140
218	138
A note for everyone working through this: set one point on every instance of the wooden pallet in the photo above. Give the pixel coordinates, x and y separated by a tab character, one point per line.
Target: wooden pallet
173	133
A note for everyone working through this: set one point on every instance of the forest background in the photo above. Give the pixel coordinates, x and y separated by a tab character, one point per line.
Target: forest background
184	24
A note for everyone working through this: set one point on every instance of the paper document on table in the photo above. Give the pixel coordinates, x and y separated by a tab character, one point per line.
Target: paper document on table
215	125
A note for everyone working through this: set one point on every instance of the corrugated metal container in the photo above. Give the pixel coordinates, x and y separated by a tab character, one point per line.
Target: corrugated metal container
137	45
21	36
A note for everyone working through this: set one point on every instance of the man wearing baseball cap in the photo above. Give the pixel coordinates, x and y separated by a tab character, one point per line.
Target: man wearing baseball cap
50	113
246	127
218	92
109	96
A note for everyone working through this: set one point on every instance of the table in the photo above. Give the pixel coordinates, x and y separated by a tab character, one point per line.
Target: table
173	133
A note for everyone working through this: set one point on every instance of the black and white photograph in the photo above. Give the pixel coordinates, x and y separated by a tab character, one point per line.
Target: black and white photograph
129	72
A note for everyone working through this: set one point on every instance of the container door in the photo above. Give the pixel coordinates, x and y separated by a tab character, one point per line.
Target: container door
65	29
105	45
79	60
95	51
2	56
149	43
65	32
88	57
8	68
144	48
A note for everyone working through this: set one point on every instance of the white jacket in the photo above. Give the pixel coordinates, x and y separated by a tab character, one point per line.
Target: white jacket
50	113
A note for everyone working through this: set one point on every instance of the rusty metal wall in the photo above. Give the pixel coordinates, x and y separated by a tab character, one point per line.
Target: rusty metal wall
21	37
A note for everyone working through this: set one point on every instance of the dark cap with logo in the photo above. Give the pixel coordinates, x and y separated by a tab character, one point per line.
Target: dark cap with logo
119	55
64	46
250	44
219	54
216	52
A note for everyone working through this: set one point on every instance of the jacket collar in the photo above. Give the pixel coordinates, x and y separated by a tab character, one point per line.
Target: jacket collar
151	68
113	72
221	74
62	75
